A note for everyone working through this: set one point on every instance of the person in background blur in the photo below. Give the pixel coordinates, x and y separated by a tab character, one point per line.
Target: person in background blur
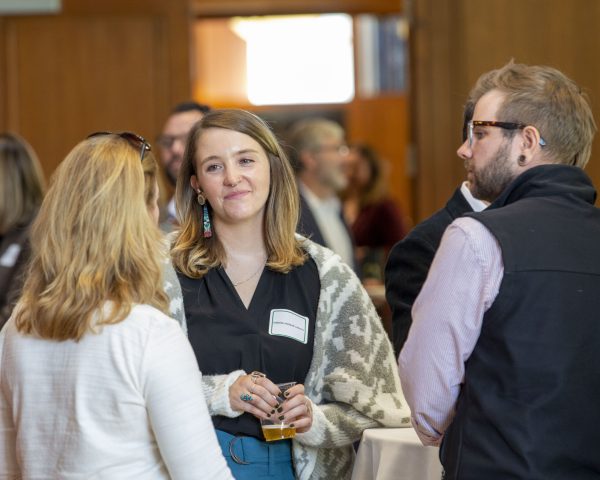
21	191
171	144
409	260
375	219
319	154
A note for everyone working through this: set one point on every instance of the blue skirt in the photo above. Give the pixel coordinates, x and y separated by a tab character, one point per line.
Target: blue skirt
250	458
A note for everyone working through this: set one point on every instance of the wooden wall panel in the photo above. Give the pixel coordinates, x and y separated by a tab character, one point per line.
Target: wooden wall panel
227	8
382	123
455	41
96	66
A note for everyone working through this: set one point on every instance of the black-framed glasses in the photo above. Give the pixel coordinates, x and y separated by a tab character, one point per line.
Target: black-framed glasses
135	140
167	141
491	123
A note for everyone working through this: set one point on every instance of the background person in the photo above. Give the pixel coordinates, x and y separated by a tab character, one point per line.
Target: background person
246	277
95	380
374	218
511	301
171	144
409	260
21	193
319	153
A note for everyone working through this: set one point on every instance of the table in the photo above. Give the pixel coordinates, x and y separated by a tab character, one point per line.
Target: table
395	454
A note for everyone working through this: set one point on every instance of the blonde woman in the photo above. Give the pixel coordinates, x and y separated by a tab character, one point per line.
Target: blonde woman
265	306
96	381
21	191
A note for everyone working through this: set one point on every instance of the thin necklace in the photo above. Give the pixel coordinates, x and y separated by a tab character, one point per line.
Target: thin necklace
260	268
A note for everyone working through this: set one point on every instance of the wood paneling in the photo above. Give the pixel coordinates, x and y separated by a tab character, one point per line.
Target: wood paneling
455	41
228	8
96	66
382	123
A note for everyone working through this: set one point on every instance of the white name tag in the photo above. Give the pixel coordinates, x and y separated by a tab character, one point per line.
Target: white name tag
285	323
9	258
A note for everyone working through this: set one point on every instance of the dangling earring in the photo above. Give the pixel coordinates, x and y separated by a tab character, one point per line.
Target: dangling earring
201	199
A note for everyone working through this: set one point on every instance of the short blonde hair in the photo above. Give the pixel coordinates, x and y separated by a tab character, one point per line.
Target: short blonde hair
193	254
21	182
92	242
550	101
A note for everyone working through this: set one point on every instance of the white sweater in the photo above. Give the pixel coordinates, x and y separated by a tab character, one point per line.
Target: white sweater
125	403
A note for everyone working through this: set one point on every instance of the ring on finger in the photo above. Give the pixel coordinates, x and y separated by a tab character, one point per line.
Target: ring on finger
246	397
254	376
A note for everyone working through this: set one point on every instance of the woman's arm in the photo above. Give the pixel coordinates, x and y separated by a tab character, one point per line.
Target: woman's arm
353	380
172	387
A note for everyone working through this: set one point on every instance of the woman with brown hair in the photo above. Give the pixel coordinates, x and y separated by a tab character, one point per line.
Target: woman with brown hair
21	192
266	306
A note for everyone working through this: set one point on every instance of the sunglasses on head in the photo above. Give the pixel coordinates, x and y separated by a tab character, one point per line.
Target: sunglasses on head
135	140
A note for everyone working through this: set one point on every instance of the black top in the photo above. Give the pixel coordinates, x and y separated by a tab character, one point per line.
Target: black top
226	336
409	261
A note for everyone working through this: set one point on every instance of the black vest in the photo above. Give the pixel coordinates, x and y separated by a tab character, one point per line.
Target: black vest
529	407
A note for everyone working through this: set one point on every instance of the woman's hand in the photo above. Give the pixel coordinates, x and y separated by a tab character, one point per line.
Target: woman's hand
255	394
297	409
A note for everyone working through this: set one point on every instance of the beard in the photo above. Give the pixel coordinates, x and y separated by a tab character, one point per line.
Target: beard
333	177
488	183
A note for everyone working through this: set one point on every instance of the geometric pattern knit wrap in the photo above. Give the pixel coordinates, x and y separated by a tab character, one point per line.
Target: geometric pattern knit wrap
352	381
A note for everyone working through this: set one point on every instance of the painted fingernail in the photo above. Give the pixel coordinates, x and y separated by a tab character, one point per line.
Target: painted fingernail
286	394
278	405
292	425
272	411
281	417
280	409
269	415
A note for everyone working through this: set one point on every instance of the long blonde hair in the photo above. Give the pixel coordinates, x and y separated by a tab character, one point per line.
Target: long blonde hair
21	182
92	242
193	254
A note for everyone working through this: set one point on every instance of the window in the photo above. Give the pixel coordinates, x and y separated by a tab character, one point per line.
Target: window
298	59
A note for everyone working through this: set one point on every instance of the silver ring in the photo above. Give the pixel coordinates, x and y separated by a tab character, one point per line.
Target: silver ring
256	375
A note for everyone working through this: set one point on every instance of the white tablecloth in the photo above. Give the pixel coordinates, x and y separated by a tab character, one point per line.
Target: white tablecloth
395	454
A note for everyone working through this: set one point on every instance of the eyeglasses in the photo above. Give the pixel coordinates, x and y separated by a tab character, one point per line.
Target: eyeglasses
490	123
167	141
135	140
339	149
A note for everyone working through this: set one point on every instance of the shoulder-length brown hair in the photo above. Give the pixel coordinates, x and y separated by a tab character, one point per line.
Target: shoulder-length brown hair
92	242
193	254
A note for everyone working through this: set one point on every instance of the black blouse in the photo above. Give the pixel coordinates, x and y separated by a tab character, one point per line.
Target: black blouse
274	335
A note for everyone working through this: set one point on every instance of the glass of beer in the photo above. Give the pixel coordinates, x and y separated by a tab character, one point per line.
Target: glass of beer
274	429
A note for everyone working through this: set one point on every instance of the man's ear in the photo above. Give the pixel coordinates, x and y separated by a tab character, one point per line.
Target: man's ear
531	138
308	160
530	146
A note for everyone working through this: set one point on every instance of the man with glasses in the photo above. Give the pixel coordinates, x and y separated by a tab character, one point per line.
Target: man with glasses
171	145
500	364
320	156
410	259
